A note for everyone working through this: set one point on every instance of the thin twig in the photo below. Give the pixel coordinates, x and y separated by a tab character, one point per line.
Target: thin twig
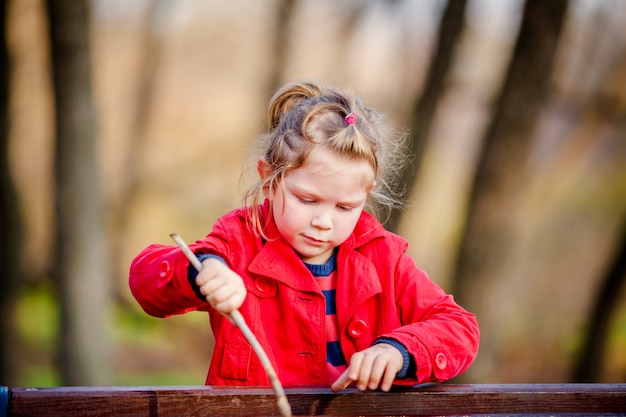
237	319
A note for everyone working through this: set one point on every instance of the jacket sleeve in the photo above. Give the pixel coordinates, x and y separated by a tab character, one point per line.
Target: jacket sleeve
159	275
158	281
441	336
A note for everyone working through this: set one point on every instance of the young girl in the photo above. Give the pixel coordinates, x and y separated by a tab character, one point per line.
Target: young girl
330	294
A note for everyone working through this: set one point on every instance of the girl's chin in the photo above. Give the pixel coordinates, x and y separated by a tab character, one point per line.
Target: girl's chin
314	257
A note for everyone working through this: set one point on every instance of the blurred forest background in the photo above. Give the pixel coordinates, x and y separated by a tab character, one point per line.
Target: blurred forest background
123	121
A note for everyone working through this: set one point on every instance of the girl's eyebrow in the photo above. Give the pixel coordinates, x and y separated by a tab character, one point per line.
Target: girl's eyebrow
342	202
303	190
353	203
299	189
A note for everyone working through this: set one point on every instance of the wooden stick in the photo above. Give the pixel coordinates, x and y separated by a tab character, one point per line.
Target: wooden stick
237	319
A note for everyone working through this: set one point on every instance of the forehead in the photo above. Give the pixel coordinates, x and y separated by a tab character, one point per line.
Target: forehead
327	165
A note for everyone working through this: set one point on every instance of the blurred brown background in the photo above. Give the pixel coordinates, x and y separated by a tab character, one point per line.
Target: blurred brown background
125	121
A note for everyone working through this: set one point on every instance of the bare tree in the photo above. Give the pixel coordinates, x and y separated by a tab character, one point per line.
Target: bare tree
81	268
149	64
450	31
284	13
505	148
10	238
589	366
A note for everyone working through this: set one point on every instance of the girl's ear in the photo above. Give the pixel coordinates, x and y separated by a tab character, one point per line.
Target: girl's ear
264	170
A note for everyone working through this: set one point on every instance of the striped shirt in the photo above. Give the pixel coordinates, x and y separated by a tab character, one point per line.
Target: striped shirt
327	279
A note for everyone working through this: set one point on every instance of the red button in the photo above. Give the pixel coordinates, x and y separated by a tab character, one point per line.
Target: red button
165	269
441	361
357	328
262	285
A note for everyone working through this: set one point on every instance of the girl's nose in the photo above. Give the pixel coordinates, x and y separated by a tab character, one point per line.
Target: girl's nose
322	220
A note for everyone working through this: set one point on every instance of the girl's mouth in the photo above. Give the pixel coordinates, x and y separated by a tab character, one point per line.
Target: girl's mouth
313	240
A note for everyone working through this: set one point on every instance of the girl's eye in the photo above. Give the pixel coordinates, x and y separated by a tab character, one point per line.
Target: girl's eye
307	200
344	208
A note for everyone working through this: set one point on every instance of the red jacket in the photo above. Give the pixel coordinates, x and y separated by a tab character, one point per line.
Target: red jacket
380	292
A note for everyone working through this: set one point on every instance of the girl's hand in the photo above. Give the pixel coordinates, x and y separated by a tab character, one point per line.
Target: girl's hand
221	286
369	368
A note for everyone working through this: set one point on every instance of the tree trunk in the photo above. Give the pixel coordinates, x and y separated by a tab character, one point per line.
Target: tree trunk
10	238
450	31
81	268
284	12
149	65
492	205
589	366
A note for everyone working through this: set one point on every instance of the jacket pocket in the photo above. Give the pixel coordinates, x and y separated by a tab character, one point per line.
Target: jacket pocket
236	360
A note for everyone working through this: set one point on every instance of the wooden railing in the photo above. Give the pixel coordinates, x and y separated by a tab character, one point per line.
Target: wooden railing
424	400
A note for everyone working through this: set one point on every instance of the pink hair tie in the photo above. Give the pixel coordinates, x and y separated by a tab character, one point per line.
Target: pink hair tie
350	119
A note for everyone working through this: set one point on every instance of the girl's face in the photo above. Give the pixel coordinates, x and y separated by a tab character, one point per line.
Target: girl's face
317	206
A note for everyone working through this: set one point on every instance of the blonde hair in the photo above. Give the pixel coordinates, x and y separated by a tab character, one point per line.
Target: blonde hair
303	116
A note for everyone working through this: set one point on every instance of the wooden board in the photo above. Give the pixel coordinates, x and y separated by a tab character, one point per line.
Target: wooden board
425	400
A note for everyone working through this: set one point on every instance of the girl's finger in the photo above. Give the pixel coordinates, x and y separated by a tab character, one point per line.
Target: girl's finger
364	371
342	382
377	371
388	378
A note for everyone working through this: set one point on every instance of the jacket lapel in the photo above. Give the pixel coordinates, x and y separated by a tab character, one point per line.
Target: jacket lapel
278	260
357	279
